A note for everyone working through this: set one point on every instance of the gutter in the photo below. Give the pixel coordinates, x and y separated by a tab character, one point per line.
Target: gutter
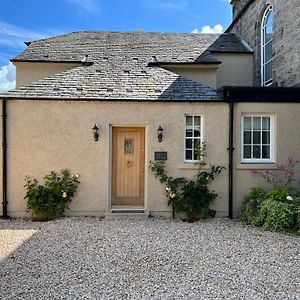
230	160
124	100
4	159
194	63
227	97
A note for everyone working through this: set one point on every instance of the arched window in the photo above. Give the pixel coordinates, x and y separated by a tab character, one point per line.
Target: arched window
266	47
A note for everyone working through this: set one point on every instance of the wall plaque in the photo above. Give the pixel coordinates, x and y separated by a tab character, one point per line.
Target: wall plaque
161	155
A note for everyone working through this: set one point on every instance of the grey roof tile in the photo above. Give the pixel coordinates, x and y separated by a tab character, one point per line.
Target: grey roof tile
229	42
120	61
85	83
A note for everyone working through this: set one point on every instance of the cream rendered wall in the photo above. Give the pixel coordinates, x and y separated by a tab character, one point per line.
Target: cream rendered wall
27	72
287	142
205	75
236	69
51	135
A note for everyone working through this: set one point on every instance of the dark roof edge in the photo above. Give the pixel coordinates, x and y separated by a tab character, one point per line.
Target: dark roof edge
158	64
87	63
260	94
232	52
239	15
109	100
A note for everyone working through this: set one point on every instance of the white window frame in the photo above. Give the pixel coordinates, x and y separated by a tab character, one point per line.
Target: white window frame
267	12
185	137
272	140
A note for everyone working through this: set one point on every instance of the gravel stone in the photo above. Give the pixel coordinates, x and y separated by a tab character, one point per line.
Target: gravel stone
154	258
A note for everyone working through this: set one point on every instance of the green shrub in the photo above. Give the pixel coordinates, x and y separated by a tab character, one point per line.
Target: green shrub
275	216
278	195
252	204
279	209
50	200
195	196
191	197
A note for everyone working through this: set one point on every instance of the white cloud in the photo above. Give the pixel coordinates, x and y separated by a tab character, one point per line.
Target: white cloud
207	29
7	77
15	36
89	6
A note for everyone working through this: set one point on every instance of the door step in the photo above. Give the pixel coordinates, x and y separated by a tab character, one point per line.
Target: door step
127	213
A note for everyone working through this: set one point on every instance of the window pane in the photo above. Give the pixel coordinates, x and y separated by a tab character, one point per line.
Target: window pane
188	155
189	121
266	137
247	137
247	151
197	144
256	151
188	144
256	137
268	37
266	123
197	121
268	71
266	152
189	132
269	23
197	132
247	123
256	123
268	52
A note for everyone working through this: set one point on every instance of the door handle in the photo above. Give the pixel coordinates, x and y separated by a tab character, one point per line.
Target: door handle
129	163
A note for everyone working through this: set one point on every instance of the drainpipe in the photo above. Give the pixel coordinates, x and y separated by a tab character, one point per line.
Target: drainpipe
4	160
230	152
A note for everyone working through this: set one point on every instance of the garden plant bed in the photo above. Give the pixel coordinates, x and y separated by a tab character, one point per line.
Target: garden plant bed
154	258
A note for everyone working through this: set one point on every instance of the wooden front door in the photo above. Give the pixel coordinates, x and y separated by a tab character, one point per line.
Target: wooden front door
128	166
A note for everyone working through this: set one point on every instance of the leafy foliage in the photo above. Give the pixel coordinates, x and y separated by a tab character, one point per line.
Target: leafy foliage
276	210
51	199
275	216
283	178
252	204
189	196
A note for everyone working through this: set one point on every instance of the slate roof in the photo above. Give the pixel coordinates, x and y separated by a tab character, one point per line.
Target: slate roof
116	66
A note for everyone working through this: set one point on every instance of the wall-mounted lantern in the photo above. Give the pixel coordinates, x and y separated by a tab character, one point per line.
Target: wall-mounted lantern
96	134
159	133
153	59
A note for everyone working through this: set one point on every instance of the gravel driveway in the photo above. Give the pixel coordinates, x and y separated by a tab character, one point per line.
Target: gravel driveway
93	258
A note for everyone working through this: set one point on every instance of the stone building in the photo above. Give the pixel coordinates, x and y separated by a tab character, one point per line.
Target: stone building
283	21
217	89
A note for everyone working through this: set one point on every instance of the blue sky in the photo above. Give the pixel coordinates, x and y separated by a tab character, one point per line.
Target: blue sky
26	20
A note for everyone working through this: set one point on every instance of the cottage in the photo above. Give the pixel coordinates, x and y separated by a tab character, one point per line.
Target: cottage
124	86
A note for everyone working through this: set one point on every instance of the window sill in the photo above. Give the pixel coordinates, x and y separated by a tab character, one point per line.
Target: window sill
257	166
192	166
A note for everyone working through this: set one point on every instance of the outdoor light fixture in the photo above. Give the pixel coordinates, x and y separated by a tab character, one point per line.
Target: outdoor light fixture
96	134
154	59
159	133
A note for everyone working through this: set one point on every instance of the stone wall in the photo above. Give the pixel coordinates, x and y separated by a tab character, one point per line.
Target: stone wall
237	6
286	37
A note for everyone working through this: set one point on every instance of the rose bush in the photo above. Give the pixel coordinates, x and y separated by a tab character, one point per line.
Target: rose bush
50	200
